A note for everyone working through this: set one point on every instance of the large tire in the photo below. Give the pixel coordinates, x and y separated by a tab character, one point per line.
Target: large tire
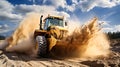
42	43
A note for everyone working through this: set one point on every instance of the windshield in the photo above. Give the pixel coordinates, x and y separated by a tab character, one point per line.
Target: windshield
53	22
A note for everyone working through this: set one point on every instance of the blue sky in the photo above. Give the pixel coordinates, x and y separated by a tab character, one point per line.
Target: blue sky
108	11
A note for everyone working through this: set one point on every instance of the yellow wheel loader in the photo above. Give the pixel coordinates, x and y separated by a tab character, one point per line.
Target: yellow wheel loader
52	29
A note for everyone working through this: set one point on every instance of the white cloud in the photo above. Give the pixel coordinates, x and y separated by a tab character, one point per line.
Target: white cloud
62	13
56	3
0	26
4	28
104	23
107	27
87	5
117	27
9	16
108	15
6	6
11	13
70	7
44	1
84	5
23	8
6	11
17	12
112	28
44	10
61	3
75	1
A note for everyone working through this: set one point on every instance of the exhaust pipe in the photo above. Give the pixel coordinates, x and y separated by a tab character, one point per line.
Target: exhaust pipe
41	22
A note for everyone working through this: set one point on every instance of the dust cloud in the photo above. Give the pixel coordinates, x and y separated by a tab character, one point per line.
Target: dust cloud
22	40
88	41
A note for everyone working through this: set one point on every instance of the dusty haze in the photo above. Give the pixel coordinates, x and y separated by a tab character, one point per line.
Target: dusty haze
87	41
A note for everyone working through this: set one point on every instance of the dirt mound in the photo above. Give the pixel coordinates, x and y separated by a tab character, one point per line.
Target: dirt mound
20	60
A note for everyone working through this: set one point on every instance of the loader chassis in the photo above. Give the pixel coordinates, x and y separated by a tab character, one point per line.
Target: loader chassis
51	30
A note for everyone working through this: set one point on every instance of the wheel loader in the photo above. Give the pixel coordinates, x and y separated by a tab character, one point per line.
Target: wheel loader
52	29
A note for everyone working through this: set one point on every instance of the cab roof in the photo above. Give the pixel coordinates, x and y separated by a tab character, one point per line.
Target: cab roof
54	17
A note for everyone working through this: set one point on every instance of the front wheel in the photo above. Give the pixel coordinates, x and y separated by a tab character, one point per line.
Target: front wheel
42	46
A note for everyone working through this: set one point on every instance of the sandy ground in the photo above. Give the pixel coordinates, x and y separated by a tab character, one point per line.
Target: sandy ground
19	60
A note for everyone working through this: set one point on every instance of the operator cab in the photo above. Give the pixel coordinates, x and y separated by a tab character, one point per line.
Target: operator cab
54	21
